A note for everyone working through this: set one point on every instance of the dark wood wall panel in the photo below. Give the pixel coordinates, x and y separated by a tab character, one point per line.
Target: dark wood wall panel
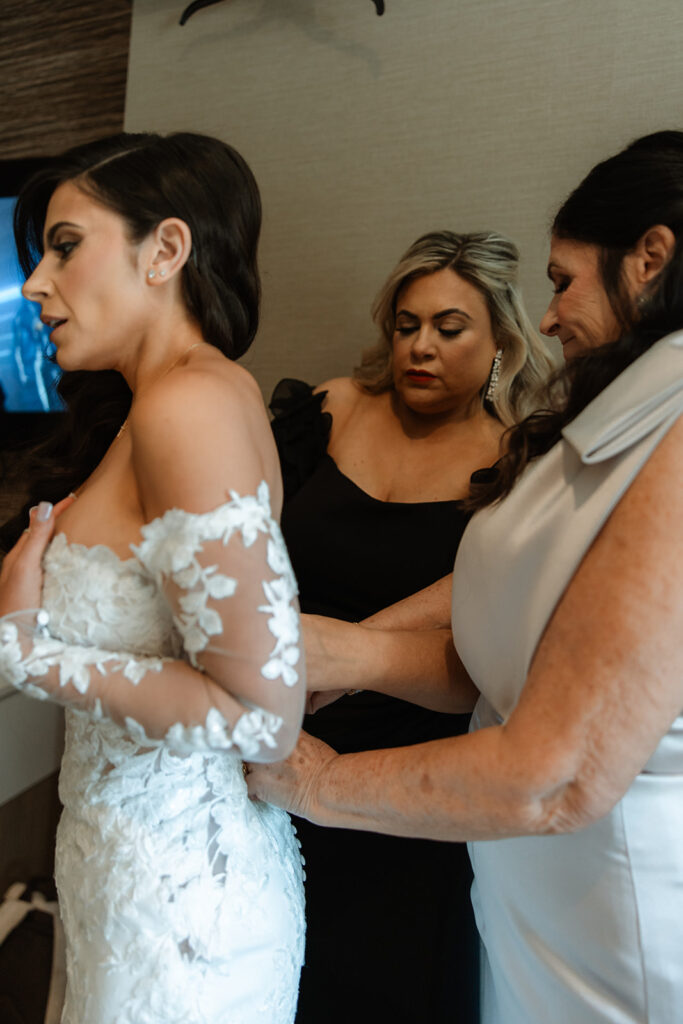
63	66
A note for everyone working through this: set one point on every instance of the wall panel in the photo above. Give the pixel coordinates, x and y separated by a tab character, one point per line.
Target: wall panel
62	73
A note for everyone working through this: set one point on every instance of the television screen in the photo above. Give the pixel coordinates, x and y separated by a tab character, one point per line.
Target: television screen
28	374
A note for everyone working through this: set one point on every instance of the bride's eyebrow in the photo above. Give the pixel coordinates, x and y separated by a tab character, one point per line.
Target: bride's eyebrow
49	237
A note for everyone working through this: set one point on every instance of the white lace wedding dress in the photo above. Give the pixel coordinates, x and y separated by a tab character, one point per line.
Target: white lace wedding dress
182	900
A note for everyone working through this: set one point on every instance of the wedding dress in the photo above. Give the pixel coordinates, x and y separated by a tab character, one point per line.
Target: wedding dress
182	900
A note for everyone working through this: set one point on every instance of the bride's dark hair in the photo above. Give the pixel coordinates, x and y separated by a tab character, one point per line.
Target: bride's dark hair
146	178
612	208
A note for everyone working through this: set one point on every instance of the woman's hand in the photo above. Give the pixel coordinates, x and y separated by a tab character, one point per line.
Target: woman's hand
292	783
21	578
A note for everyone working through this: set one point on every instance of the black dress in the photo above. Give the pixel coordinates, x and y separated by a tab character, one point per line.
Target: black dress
390	929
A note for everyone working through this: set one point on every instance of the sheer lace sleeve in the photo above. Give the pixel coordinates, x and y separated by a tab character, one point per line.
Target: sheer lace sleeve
227	578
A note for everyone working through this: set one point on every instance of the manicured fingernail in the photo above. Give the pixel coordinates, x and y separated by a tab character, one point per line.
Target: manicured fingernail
44	511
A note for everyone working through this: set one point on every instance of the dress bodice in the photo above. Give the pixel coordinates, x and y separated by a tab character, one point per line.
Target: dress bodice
182	899
373	552
95	597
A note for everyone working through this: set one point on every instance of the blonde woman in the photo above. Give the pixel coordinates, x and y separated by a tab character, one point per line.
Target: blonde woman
375	469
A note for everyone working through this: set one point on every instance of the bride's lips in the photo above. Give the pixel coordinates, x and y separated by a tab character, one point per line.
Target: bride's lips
53	322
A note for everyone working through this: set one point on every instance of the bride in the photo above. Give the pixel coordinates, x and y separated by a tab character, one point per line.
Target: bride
168	622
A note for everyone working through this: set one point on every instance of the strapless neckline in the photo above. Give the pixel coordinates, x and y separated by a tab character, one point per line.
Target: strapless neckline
92	552
151	531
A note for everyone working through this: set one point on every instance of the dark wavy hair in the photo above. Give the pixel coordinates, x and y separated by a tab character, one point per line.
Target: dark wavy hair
612	208
146	178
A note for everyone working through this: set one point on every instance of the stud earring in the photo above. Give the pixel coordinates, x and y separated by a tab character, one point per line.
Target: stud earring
151	274
492	382
162	273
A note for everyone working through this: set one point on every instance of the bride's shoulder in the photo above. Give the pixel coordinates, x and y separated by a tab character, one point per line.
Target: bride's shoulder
199	433
206	394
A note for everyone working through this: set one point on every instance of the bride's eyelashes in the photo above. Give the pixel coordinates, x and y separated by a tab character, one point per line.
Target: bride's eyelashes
64	249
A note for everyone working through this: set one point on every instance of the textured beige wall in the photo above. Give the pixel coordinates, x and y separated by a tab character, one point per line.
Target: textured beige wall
366	131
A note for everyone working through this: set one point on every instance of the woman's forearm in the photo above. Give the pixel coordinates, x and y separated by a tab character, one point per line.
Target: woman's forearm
419	666
470	787
429	608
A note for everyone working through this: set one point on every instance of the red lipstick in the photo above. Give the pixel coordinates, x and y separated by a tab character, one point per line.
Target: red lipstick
418	375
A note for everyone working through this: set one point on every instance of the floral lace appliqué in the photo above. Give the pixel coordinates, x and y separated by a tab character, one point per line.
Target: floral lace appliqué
170	547
182	900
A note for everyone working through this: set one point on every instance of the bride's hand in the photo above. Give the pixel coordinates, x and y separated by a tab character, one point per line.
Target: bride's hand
21	578
291	784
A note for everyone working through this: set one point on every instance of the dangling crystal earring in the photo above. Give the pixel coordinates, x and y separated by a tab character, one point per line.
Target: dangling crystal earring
494	375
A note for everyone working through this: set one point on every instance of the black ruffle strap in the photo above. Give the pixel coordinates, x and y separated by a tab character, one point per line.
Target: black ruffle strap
301	430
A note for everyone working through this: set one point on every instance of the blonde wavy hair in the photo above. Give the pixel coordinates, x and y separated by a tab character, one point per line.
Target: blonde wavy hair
489	261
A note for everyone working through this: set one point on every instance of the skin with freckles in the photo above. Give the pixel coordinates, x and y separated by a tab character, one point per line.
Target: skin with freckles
579	313
553	767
